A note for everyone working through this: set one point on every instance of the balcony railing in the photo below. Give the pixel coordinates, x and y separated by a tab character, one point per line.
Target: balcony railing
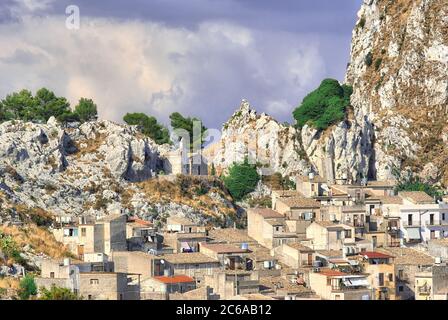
411	224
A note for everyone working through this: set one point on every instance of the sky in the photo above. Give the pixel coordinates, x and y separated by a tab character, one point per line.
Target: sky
196	57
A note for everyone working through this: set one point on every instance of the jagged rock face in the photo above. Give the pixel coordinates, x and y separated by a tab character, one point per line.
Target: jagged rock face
398	69
87	169
341	152
274	147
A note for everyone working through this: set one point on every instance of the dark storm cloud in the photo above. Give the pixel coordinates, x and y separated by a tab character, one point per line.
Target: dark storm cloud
198	57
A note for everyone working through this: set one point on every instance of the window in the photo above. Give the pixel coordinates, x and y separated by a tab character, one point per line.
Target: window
94	281
90	297
381	279
348	233
391	277
51	274
400	289
400	274
83	232
409	219
443	216
338	235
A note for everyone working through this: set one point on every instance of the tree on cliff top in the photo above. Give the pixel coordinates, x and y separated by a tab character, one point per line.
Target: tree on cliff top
148	126
324	106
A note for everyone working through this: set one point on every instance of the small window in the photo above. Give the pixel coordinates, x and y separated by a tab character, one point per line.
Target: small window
400	288
90	297
94	281
83	232
391	277
51	274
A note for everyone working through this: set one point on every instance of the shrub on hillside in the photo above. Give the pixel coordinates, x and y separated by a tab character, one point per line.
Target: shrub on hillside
242	179
324	106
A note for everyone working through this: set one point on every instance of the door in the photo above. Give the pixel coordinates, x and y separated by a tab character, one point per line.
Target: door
381	279
374	241
433	234
310	259
409	219
431	219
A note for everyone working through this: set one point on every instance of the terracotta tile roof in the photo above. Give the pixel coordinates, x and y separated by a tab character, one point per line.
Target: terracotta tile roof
286	193
300	247
336	191
390	199
417	197
330	253
376	183
187	258
375	255
332	273
230	235
137	221
409	256
223	248
275	222
300	202
174	279
267	213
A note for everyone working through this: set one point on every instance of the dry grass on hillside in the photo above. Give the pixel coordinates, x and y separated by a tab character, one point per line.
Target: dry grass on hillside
41	240
191	191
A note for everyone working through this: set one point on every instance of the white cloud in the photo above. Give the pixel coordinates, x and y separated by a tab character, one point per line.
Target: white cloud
147	67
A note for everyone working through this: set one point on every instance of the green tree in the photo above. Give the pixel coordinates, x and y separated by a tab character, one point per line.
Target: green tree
86	110
324	106
16	105
213	170
39	108
241	180
57	293
180	122
27	287
47	105
148	126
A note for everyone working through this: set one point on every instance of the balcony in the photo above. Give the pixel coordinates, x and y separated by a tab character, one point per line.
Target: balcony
408	224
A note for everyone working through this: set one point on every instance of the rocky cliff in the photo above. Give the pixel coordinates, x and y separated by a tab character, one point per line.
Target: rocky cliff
95	169
399	72
398	118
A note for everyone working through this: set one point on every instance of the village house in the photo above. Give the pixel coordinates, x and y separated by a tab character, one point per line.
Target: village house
228	284
312	185
327	235
147	265
93	281
268	227
160	287
439	248
103	236
295	255
109	286
337	285
408	262
229	256
381	273
195	265
432	283
281	194
286	287
300	212
411	218
182	224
